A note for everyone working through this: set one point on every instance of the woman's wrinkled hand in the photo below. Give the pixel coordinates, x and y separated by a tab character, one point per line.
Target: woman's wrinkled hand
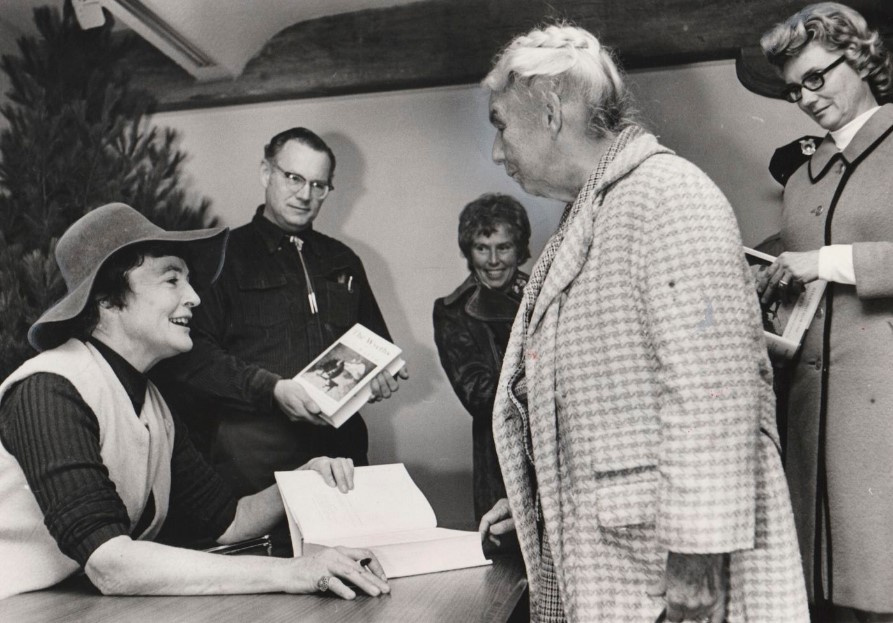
496	522
337	570
337	472
786	276
695	587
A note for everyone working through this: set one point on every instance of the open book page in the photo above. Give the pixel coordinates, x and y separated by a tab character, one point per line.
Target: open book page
385	512
785	323
384	499
419	551
345	367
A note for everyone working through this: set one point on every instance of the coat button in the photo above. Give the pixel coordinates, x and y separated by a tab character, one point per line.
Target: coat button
818	364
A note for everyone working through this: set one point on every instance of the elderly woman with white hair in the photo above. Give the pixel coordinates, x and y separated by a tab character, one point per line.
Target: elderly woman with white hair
634	417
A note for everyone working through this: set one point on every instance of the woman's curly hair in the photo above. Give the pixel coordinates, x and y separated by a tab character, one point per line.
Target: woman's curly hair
482	216
835	27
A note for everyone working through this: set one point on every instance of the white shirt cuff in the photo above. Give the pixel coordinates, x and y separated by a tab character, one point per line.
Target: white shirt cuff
836	264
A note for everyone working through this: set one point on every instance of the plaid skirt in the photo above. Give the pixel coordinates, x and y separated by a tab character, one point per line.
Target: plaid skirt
548	607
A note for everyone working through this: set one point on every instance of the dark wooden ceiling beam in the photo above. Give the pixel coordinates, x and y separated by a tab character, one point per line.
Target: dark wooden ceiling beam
444	42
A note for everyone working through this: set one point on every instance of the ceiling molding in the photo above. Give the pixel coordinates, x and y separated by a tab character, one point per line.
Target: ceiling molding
447	42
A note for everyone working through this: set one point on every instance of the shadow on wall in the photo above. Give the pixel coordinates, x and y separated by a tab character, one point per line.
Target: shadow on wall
449	493
350	176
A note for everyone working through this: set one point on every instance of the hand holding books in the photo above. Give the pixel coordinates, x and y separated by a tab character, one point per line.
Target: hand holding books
787	275
359	367
788	308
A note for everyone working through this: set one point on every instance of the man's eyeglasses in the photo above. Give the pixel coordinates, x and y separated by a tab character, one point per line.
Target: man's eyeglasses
812	82
295	182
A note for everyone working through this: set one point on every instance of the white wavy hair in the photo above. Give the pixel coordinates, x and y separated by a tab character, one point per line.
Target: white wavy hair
571	62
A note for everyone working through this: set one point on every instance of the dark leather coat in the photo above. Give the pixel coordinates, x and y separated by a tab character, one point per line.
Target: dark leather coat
471	329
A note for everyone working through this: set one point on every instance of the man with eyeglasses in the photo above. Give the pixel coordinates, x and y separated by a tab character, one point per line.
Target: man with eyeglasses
286	293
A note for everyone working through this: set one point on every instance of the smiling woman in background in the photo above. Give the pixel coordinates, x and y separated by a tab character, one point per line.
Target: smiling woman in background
837	225
471	325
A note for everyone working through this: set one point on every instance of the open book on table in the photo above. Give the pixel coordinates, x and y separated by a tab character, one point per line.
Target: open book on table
785	323
338	379
385	512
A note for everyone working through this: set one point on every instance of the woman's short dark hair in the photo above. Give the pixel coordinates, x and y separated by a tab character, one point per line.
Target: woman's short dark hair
305	137
835	27
112	286
482	216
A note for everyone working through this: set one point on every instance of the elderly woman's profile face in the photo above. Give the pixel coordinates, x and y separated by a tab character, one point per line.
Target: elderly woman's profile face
520	144
494	258
844	95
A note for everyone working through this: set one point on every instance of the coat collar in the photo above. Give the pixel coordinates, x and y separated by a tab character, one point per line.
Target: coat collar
273	237
571	252
865	140
485	304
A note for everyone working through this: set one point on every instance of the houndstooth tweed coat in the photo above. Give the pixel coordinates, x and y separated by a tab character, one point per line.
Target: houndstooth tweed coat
650	412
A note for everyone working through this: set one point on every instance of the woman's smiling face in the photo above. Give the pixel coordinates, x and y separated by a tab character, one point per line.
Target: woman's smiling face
494	258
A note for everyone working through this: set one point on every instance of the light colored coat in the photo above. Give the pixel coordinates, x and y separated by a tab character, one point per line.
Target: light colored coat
850	342
651	412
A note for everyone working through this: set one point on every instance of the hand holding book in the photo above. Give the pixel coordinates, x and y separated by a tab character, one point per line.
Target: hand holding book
787	276
385	384
789	296
356	369
295	402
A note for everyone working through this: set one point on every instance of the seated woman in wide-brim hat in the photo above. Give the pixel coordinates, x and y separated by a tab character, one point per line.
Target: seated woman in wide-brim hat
91	459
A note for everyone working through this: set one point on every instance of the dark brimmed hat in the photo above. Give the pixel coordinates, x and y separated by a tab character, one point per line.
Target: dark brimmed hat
94	238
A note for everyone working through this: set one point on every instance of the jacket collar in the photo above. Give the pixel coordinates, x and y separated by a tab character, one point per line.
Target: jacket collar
482	303
272	235
865	140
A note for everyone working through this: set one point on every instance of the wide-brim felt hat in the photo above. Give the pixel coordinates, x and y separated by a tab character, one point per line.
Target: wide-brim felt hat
95	237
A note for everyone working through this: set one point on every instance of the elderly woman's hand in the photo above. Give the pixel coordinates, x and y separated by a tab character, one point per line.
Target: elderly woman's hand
787	275
695	587
496	522
331	569
337	472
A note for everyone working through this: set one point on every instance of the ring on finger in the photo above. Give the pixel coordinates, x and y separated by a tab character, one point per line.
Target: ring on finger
783	284
323	583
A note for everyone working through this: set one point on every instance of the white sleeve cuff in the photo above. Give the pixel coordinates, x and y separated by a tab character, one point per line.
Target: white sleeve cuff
836	264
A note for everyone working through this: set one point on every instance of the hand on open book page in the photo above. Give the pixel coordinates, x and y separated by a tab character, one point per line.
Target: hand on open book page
336	472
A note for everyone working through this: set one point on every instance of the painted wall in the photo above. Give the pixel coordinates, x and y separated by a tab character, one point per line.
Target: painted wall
409	161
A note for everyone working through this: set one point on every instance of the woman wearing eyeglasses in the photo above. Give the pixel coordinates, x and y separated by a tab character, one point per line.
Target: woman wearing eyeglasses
837	225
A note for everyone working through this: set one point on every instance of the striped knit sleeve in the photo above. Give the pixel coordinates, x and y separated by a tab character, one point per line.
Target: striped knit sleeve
202	505
54	435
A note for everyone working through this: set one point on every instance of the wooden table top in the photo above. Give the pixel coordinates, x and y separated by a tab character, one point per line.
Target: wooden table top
482	594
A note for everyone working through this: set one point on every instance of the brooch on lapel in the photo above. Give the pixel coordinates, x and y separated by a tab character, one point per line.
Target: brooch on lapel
807	146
